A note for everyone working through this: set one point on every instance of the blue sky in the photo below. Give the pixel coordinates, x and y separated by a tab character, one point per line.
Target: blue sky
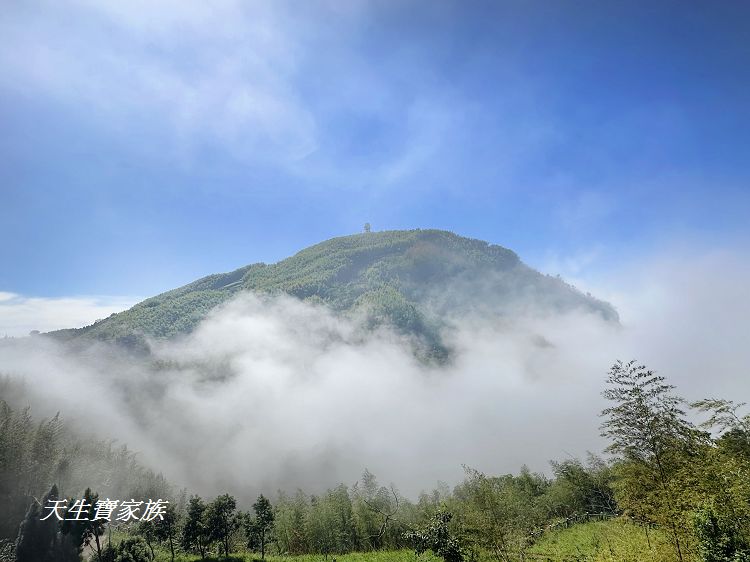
143	145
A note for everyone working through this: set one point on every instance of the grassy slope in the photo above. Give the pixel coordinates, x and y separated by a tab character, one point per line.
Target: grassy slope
381	556
600	541
605	541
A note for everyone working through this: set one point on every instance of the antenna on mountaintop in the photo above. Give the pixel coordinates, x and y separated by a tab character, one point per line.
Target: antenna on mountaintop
368	228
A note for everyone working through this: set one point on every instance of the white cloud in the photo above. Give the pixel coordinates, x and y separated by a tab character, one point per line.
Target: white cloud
218	72
283	394
688	310
269	83
20	314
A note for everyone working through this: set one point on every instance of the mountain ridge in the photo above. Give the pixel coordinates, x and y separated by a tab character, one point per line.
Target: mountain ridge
406	278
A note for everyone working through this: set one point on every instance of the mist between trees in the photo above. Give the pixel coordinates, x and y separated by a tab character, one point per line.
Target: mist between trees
687	484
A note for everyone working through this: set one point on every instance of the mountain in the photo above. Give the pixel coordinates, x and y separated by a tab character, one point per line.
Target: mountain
411	279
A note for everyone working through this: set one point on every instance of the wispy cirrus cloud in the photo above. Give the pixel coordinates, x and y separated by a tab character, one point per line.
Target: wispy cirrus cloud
218	73
306	91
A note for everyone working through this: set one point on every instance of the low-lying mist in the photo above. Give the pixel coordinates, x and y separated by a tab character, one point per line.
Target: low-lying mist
271	392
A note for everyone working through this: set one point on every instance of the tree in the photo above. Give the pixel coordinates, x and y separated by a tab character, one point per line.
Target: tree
386	510
436	536
719	482
290	529
734	428
342	513
165	529
258	528
367	227
221	520
330	526
580	488
374	509
321	527
717	543
131	549
646	427
195	535
84	530
366	519
37	539
40	538
147	531
498	514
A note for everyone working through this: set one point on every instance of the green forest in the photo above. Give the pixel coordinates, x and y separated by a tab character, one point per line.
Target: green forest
665	489
408	279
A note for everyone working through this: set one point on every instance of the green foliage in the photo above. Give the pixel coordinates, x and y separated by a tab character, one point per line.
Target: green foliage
646	426
258	528
370	556
147	531
582	489
406	279
291	516
500	514
717	484
321	528
166	528
364	517
376	512
366	500
34	456
30	456
84	531
671	474
724	415
616	540
330	524
132	549
195	535
221	520
42	540
719	540
160	531
437	537
645	423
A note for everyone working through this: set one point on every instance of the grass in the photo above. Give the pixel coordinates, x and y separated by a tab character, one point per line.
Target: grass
376	556
616	540
163	555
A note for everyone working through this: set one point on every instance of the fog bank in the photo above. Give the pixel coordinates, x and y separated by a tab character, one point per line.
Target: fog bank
275	393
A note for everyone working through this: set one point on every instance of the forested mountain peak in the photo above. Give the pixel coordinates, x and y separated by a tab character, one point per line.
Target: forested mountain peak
410	279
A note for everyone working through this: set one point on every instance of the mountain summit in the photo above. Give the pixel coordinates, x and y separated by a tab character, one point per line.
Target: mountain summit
410	279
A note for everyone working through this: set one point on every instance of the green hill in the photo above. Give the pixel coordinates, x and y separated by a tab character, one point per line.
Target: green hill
410	279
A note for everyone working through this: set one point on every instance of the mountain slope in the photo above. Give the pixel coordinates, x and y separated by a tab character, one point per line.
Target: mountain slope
410	279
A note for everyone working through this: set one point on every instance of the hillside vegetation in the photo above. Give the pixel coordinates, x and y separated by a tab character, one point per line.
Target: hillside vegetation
598	541
671	492
408	279
604	541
